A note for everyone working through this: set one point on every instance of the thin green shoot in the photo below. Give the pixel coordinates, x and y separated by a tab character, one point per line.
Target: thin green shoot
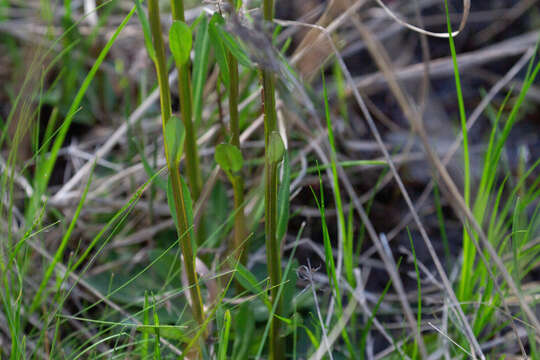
330	264
348	259
469	251
419	285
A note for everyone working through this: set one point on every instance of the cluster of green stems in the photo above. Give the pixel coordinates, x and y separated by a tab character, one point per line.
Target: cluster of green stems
194	174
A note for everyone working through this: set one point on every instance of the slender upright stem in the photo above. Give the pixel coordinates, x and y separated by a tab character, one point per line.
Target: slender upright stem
273	254
233	99
174	172
240	231
186	109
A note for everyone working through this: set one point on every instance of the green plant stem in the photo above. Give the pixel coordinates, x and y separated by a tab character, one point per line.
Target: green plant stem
186	109
240	231
273	254
233	100
174	172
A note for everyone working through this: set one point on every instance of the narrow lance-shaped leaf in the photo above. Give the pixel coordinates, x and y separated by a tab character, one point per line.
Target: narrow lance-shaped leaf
174	138
200	67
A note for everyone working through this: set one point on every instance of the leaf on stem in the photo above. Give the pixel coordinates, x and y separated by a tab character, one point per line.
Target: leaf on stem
174	138
276	148
180	41
229	157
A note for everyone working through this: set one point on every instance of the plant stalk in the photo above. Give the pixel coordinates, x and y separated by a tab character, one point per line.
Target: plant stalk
186	109
240	230
179	202
273	253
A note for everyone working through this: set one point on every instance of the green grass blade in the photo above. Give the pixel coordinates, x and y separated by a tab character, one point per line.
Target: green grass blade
224	336
419	285
469	251
348	259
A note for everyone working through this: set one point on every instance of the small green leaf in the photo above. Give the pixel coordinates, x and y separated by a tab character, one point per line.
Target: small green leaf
180	41
174	138
276	148
229	157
